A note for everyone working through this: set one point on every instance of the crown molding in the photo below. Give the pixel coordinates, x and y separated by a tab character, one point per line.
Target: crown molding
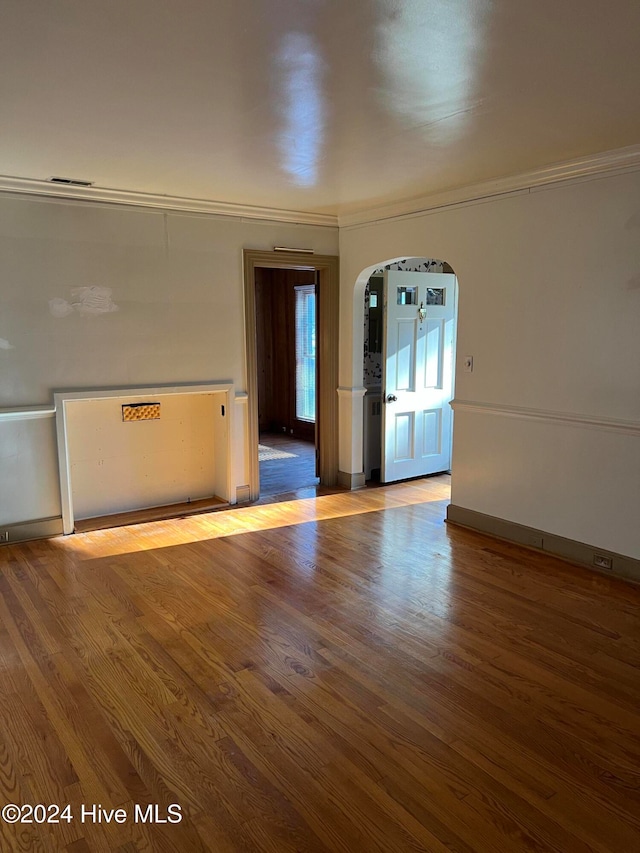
582	168
28	186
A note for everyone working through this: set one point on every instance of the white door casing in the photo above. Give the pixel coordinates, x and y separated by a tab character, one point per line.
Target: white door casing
417	379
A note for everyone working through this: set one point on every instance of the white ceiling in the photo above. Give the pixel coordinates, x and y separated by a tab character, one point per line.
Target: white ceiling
327	106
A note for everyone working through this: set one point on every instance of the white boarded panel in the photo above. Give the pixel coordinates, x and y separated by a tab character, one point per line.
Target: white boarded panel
118	466
405	354
434	353
431	432
404	422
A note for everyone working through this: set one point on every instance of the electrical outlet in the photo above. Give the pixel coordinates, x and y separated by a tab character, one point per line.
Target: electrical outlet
4	535
602	562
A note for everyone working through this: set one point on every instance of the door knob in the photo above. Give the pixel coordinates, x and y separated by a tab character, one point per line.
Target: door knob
391	398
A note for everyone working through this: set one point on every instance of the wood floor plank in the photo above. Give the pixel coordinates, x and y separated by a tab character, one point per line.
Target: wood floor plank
343	672
401	753
568	808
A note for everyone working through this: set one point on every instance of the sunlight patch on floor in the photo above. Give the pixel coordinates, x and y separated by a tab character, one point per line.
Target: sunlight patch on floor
249	519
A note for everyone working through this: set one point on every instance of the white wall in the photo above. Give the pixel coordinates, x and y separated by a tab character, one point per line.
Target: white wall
29	486
550	310
176	280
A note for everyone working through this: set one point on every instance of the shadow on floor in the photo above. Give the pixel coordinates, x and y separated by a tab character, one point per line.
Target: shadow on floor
287	465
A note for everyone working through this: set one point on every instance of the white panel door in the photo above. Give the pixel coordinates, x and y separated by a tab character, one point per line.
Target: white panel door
417	374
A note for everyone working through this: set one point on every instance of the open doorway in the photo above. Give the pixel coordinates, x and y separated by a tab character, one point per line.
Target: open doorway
324	304
287	366
410	309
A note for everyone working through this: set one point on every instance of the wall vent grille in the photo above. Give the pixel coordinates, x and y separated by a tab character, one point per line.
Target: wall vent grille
141	411
73	182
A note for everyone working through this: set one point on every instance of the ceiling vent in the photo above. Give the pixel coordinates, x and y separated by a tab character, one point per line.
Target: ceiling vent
71	182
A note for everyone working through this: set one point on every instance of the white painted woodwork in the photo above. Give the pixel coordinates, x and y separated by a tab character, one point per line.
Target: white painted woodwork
27	413
107	467
159	201
372	433
116	466
613	162
350	407
571	418
417	376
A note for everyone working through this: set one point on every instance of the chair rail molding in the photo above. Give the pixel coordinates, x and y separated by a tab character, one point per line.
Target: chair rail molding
566	418
27	413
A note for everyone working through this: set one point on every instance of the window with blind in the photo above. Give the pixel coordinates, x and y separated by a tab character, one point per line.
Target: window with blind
305	323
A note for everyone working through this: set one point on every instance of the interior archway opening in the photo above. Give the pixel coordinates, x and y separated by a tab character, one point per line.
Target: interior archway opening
409	310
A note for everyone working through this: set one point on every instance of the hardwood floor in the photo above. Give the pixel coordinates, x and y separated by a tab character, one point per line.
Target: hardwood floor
290	474
344	673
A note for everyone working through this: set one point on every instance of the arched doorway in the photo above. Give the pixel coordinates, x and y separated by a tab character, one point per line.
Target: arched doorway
410	312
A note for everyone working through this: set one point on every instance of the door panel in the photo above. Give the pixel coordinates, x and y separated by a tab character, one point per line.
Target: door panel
403	439
434	354
431	432
405	359
417	374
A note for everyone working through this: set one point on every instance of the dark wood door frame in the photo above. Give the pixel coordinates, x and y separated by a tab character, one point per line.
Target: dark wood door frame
327	268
